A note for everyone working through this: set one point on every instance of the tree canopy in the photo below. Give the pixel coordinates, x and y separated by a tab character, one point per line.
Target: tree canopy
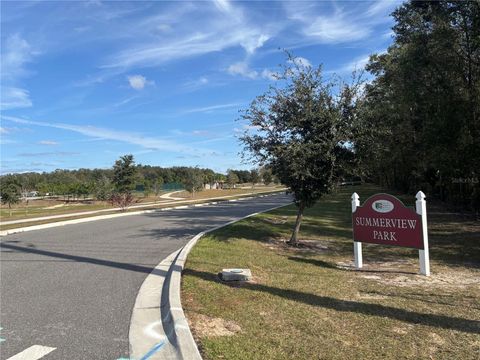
420	121
300	131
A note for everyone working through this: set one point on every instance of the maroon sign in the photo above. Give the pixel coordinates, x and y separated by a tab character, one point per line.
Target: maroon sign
383	219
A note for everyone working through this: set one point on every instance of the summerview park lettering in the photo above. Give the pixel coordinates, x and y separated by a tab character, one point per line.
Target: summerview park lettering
384	220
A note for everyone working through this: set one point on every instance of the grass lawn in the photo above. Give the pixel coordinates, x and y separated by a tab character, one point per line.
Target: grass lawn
309	303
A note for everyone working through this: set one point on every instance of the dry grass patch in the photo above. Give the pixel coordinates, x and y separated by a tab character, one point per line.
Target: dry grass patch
206	326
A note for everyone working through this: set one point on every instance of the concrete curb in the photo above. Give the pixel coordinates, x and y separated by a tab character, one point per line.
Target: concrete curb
158	322
111	216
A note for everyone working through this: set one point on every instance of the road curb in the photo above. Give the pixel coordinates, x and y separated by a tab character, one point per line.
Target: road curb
111	216
158	321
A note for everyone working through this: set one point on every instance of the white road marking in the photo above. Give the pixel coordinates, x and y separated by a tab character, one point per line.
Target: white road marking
33	353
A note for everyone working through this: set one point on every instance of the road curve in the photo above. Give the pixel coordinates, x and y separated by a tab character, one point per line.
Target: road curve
72	289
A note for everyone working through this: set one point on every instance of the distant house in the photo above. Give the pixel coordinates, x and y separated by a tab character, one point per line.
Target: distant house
216	185
28	194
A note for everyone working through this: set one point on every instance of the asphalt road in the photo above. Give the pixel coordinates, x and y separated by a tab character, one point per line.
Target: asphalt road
73	288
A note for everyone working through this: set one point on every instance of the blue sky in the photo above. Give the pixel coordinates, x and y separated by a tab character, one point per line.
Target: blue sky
83	83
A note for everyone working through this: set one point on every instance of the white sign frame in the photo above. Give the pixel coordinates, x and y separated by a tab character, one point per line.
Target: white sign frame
423	255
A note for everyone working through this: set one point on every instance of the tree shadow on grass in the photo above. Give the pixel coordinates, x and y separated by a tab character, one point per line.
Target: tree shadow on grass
327	265
425	298
243	229
434	320
315	262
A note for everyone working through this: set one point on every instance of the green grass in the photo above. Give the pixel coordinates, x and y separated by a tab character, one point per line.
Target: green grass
309	303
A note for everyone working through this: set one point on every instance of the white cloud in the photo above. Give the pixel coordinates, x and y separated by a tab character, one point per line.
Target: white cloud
201	133
198	31
81	29
195	84
48	142
340	24
301	61
125	101
16	55
211	108
336	29
250	44
195	133
246	128
382	7
389	34
269	75
241	68
357	64
13	98
116	135
223	5
188	46
202	81
164	27
138	82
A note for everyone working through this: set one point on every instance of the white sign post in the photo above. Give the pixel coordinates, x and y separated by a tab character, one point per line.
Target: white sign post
357	246
424	256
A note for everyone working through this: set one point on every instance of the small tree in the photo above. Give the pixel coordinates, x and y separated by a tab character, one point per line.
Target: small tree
124	174
193	181
147	187
254	177
267	176
122	200
103	189
157	185
232	178
298	131
10	195
124	178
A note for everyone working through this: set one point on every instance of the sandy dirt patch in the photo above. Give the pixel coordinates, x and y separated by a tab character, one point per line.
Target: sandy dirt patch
206	326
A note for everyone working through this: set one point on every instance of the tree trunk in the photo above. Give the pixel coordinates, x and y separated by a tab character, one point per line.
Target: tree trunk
294	238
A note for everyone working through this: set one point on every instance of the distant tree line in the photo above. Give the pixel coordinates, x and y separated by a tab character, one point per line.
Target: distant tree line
254	176
123	178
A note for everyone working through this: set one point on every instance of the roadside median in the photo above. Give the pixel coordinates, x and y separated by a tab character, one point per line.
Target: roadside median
7	228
